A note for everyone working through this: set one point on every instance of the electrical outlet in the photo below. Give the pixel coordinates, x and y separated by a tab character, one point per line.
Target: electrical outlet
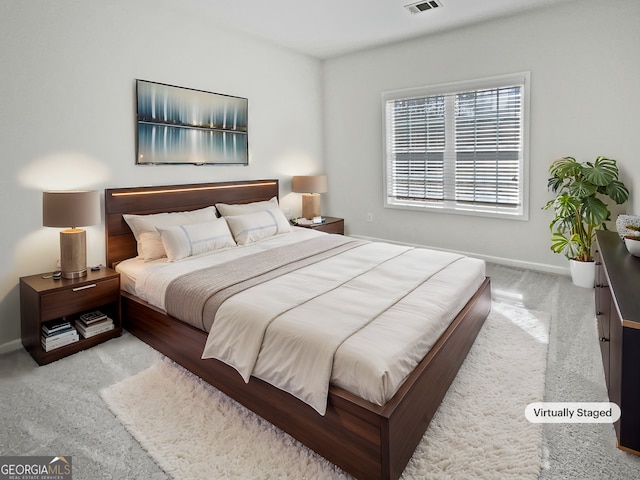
369	217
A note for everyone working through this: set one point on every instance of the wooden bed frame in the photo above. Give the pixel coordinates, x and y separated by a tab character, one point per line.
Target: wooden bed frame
364	439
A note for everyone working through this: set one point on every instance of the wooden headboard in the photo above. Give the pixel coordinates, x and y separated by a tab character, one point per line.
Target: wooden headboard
120	242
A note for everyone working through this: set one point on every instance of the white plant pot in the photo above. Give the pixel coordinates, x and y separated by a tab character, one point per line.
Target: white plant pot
583	274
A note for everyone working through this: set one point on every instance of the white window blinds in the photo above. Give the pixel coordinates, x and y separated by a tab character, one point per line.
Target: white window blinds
461	150
416	147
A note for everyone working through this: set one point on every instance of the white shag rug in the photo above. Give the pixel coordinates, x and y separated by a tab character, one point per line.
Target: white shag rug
195	432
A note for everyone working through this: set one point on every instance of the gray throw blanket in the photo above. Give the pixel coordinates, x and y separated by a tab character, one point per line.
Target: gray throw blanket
195	297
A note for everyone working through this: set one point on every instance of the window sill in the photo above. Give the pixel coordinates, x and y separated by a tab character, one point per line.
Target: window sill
452	208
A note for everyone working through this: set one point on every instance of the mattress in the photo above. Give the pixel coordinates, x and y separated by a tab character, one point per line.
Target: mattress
389	303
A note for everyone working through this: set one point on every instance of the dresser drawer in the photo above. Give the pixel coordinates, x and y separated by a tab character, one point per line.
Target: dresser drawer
80	298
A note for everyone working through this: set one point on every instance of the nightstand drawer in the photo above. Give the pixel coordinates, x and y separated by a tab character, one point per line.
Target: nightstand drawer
336	226
79	298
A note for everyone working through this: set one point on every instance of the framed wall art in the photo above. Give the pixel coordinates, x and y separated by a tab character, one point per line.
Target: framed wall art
177	125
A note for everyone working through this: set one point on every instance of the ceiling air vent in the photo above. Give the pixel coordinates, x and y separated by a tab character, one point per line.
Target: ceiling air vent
423	6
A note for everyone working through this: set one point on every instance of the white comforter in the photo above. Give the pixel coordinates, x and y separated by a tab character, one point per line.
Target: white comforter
361	320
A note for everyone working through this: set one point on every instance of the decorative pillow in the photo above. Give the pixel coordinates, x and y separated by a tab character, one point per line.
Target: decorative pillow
183	241
150	246
252	227
227	210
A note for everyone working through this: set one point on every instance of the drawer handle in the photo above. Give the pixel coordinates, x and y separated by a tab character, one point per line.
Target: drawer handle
84	287
604	339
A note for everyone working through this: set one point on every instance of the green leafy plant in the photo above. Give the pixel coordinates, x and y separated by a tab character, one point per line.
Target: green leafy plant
578	210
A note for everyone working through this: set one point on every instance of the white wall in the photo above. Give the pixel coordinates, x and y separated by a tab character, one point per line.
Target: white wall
67	112
584	64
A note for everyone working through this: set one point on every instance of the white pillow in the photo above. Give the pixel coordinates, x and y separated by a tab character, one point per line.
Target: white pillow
245	208
252	227
183	241
150	246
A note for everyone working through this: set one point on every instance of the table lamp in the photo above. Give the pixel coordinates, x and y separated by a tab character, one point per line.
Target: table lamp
310	186
71	209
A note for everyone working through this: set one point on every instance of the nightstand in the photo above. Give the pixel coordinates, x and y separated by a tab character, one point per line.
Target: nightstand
330	225
47	300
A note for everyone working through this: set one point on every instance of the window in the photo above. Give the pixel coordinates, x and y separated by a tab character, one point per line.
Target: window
458	147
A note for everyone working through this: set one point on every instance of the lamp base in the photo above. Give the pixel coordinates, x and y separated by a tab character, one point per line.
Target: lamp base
310	205
73	253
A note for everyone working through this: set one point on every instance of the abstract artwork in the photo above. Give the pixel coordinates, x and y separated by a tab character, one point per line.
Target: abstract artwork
177	125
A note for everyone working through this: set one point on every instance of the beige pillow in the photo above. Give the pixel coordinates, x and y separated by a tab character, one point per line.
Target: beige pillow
227	210
150	246
183	241
252	227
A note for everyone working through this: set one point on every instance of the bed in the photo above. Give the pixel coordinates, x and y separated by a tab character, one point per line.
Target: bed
363	438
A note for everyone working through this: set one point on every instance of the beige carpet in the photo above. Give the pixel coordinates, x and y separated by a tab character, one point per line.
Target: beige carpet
194	432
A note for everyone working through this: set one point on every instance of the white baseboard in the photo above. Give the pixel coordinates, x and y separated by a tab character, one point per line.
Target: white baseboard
509	262
11	346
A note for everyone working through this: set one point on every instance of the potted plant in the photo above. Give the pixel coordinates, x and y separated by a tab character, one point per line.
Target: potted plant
579	210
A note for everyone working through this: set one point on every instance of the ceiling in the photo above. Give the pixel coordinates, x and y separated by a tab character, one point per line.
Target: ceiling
329	28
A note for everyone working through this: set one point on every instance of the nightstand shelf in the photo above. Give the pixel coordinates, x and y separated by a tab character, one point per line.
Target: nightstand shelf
330	225
45	299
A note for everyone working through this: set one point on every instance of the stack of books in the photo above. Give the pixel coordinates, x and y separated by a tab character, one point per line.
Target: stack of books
93	323
58	333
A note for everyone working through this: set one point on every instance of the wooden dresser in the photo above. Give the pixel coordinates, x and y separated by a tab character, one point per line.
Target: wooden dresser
618	316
